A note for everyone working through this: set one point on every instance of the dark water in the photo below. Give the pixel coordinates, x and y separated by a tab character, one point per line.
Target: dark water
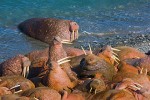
94	16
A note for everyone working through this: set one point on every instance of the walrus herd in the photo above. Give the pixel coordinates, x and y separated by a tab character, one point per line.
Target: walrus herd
65	73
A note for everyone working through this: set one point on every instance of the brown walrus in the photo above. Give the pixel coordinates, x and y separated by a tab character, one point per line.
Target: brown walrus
11	81
44	29
42	93
56	78
14	66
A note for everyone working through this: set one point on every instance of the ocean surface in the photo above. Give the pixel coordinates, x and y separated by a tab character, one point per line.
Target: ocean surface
93	16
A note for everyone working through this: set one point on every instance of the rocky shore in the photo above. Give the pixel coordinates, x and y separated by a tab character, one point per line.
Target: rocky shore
139	41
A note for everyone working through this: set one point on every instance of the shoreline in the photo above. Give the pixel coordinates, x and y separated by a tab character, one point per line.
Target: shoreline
139	41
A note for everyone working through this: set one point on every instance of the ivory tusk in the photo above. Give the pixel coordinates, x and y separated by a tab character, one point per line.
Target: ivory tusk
14	87
27	73
66	42
83	50
24	71
77	34
135	87
115	49
18	91
116	58
95	91
63	62
36	98
72	35
114	53
90	89
141	71
65	58
90	49
138	85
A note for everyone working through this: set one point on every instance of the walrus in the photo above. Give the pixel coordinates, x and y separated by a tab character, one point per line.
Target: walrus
44	29
42	93
15	66
56	78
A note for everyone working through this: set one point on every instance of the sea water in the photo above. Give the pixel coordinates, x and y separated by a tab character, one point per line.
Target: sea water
93	16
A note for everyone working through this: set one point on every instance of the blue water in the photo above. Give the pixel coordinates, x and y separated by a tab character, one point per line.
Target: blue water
95	16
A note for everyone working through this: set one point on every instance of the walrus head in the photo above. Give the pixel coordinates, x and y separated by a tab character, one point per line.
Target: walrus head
74	27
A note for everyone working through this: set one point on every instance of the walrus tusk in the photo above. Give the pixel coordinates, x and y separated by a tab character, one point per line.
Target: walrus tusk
63	62
90	49
83	50
24	71
65	58
90	89
116	58
17	91
77	34
36	98
141	71
114	53
72	36
14	87
138	85
27	71
116	61
95	91
115	49
66	42
135	87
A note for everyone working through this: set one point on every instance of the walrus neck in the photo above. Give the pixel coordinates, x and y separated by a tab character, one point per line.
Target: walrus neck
56	53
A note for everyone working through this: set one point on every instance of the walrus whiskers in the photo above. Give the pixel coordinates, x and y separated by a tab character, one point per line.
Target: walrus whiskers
90	49
115	49
83	50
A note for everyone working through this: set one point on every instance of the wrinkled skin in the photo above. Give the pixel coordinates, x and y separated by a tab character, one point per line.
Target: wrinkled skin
143	63
72	96
128	52
115	95
45	29
42	93
15	97
125	70
10	81
14	66
56	78
92	64
142	90
106	54
4	90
